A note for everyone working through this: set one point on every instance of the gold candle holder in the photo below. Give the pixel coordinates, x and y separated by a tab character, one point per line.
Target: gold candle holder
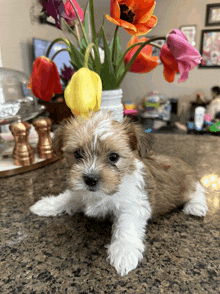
23	153
44	146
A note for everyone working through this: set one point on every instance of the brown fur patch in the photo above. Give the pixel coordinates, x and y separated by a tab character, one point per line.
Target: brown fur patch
169	182
139	140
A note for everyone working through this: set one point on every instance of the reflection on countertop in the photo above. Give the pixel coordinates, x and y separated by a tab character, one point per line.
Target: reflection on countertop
67	254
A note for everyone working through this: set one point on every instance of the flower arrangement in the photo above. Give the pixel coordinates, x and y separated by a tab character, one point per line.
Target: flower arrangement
99	69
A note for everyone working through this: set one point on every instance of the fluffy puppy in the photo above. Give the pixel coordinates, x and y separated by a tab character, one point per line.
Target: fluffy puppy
113	171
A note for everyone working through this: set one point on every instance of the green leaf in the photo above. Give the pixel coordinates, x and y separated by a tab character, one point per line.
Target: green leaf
76	56
107	73
87	23
117	56
74	65
92	15
97	60
80	22
100	32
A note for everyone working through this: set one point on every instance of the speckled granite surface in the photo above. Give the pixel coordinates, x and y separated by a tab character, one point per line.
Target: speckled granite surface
67	254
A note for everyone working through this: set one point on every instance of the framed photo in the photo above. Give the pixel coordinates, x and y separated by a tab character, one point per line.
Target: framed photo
156	51
210	49
190	33
213	14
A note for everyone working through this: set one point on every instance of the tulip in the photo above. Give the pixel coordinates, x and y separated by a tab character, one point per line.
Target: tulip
71	12
144	62
178	51
170	64
56	9
84	92
67	72
134	16
45	79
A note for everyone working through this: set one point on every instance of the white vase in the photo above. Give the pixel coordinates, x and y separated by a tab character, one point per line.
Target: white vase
112	100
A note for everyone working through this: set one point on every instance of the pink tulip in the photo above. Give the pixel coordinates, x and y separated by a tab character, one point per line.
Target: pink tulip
71	13
184	53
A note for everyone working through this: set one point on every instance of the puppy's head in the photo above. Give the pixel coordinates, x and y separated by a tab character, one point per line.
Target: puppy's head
100	151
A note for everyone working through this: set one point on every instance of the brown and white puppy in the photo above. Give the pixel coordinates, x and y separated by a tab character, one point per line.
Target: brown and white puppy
113	171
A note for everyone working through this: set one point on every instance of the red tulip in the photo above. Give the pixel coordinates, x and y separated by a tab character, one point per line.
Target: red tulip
170	64
144	62
71	12
134	16
178	55
45	79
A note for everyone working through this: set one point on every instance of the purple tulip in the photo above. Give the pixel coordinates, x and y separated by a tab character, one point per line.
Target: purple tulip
184	53
67	72
56	9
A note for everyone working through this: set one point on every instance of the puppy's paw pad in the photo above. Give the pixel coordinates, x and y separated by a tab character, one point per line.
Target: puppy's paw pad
195	208
46	207
124	257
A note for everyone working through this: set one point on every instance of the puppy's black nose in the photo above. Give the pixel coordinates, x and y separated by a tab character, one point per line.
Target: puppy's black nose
91	180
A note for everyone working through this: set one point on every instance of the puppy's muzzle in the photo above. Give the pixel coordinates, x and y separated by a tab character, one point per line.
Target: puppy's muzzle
92	181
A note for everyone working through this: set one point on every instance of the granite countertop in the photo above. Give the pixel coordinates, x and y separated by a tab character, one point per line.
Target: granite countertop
67	255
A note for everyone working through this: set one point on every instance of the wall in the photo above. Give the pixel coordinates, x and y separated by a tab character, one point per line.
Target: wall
18	26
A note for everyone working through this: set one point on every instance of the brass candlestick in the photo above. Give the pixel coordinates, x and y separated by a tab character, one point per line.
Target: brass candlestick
44	146
23	153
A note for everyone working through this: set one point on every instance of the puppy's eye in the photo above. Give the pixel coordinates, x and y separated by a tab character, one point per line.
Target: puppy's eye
78	154
113	157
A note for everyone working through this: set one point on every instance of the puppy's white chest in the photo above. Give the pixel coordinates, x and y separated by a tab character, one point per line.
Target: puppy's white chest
100	208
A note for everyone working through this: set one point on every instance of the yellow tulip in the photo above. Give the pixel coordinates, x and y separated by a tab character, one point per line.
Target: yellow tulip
84	92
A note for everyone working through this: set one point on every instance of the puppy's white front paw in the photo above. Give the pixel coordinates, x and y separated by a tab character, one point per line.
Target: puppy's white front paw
47	206
124	256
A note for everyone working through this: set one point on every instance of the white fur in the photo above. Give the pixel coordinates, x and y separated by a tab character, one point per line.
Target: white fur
197	204
55	205
129	206
104	129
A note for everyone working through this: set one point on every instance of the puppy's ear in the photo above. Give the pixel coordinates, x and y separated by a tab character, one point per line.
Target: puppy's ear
138	138
58	139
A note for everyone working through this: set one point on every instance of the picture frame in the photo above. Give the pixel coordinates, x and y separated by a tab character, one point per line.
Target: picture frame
210	48
190	33
213	14
155	50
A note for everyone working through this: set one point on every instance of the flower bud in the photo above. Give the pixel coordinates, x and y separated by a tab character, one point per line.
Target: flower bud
84	92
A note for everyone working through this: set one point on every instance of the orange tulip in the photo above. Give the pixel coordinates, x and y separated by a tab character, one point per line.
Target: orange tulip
170	64
45	79
144	62
135	16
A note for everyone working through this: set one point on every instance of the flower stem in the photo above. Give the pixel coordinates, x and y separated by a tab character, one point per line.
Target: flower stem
80	23
52	58
72	32
77	32
88	49
54	42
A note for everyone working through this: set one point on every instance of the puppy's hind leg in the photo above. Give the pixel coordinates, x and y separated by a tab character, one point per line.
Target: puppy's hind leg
55	205
197	203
